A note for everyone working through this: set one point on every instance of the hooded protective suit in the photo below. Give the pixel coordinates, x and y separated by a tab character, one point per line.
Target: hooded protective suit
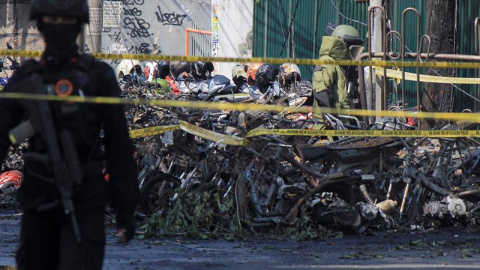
330	81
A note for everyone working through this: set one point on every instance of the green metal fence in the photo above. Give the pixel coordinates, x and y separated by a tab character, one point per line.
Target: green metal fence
293	29
468	11
395	14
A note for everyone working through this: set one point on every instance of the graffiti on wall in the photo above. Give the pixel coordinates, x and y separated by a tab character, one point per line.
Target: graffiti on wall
132	2
169	18
136	27
152	27
116	42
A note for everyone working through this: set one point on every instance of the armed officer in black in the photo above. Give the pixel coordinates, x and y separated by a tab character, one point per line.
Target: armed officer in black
90	137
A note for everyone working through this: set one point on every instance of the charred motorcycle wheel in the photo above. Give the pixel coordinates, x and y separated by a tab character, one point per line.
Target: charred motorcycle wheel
412	210
158	192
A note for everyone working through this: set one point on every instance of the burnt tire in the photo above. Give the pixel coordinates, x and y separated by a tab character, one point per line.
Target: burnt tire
157	193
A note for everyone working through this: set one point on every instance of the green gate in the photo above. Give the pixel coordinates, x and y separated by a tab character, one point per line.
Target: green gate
294	28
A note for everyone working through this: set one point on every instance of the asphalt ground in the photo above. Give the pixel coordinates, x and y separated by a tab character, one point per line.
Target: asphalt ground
441	249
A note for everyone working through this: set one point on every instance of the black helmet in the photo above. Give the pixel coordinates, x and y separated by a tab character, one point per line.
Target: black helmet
201	70
266	75
69	8
163	69
178	68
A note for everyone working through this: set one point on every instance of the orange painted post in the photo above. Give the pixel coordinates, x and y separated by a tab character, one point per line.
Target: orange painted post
187	41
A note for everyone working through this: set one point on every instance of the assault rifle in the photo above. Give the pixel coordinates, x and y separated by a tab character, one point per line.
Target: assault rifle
63	157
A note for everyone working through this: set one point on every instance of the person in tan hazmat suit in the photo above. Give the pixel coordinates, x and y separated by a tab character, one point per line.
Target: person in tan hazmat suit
335	86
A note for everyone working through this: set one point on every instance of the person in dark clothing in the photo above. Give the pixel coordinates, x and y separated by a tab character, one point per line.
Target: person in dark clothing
48	239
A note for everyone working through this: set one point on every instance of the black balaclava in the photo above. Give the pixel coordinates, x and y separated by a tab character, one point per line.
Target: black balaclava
60	37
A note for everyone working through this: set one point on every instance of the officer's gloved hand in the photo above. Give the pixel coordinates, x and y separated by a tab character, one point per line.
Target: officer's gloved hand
125	226
323	98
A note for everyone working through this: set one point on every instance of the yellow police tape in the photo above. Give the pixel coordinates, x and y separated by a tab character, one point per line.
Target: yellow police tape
192	129
210	135
367	133
396	74
152	131
147	57
469	117
238	141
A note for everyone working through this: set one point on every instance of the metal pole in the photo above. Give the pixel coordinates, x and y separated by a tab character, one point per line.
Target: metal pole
418	56
187	41
477	52
290	40
265	33
377	44
315	30
361	82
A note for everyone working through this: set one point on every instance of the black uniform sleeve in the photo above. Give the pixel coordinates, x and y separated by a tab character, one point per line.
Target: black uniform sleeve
10	115
119	153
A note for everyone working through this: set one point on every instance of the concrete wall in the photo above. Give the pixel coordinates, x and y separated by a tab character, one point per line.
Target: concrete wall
236	25
143	26
93	31
151	26
16	28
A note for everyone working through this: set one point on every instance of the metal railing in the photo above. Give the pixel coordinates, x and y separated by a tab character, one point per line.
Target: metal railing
198	42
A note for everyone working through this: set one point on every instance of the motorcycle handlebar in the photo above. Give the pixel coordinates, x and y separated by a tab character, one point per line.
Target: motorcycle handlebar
14	64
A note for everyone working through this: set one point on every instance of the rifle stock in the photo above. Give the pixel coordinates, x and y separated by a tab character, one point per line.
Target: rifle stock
21	132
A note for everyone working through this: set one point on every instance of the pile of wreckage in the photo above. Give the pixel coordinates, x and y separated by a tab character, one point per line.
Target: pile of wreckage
347	183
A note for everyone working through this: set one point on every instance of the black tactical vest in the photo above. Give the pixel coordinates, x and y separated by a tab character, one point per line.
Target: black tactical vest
81	119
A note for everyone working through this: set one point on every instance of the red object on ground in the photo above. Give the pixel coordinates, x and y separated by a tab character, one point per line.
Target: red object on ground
10	181
172	84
